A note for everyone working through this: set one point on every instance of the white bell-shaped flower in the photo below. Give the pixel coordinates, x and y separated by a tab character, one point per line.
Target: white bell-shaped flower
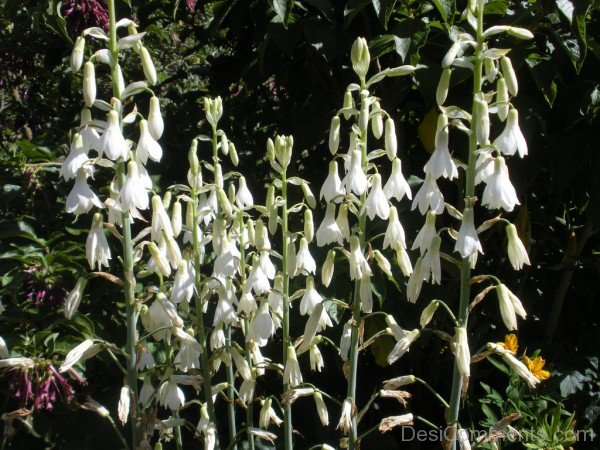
499	191
228	258
332	187
329	231
345	341
311	297
292	375
97	250
366	295
112	142
426	234
225	312
356	180
133	193
394	233
510	307
183	284
484	165
243	197
158	261
429	197
267	265
257	280
403	345
305	263
188	357
467	242
440	163
359	267
147	146
517	254
342	221
261	327
76	158
170	395
415	282
511	140
397	186
431	262
376	203
161	223
81	198
89	134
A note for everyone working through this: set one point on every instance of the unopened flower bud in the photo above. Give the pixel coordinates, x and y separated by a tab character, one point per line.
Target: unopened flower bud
482	126
327	268
233	154
502	98
334	135
148	66
348	103
89	84
176	218
376	120
428	313
463	355
309	226
391	142
451	55
74	298
155	120
521	33
224	144
360	57
509	75
77	54
193	158
442	88
120	81
490	69
363	116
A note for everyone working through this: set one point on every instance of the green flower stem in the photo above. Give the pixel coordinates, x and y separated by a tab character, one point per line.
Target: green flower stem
356	311
232	427
465	268
433	391
206	370
128	275
287	416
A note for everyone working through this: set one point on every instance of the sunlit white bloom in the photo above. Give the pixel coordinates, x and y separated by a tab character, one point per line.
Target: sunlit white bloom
112	143
225	312
228	258
81	352
173	251
91	138
76	158
97	250
359	267
72	300
160	220
170	396
391	142
176	219
329	231
431	262
403	261
16	362
305	263
146	391
415	282
156	318
376	203
515	364
517	254
188	357
247	391
243	197
484	165
463	439
275	298
292	374
426	234
267	414
345	423
170	310
394	233
321	408
499	191
262	327
315	358
267	265
511	140
311	297
146	360
356	180
257	279
467	242
397	186
147	146
429	197
440	163
217	337
342	221
463	354
124	403
510	306
345	341
158	261
403	345
183	284
81	198
133	193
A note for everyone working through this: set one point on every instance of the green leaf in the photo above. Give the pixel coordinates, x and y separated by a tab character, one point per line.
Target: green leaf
382	45
283	9
571	383
496	7
324	6
410	36
384	9
352	9
446	9
544	74
566	8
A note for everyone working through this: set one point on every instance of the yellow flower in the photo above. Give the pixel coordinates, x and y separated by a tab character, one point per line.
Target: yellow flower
536	366
511	343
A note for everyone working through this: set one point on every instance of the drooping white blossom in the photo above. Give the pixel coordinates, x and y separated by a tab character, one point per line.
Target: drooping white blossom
517	254
112	143
356	180
376	203
499	191
440	163
397	186
81	198
329	231
97	250
429	197
467	242
511	140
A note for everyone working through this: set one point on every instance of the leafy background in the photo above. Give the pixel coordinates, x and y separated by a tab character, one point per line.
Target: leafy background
282	67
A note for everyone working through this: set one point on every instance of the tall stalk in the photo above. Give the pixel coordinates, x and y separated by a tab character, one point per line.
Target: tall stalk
128	275
288	428
356	306
465	268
